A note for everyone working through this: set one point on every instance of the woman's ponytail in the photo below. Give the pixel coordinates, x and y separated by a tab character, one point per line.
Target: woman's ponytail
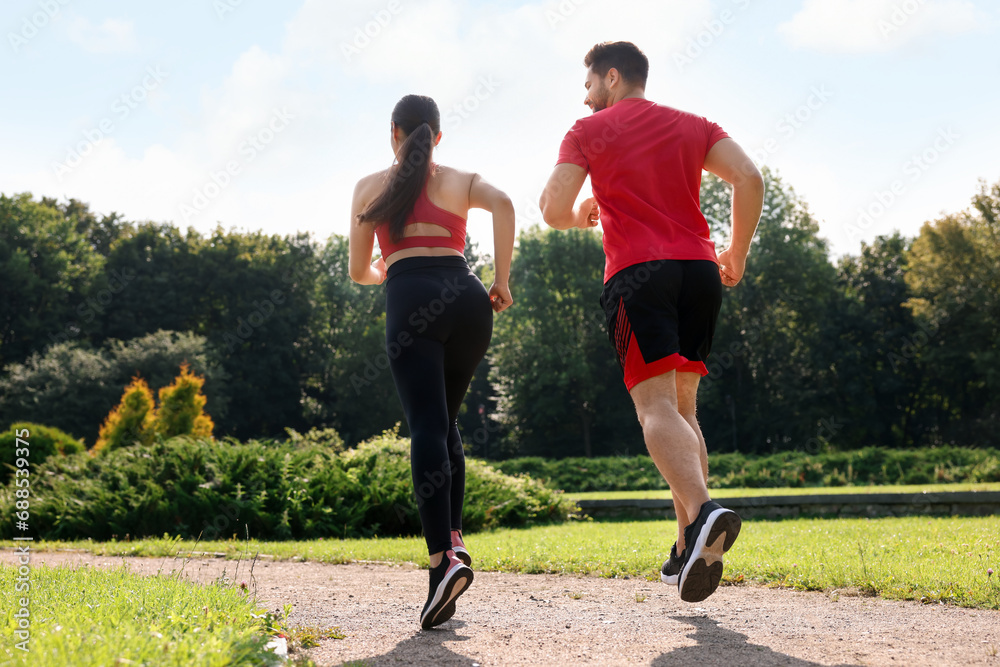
419	118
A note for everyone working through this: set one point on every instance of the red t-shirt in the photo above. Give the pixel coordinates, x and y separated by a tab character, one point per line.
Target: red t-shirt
645	162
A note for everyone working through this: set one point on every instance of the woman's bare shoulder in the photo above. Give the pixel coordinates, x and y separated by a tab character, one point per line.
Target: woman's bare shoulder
371	183
453	175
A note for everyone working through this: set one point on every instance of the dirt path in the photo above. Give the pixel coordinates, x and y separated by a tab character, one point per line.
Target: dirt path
509	619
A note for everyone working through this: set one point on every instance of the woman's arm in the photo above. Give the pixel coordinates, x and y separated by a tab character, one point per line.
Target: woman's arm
362	241
484	196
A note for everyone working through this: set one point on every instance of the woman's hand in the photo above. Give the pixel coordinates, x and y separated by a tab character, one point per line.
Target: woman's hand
379	266
500	297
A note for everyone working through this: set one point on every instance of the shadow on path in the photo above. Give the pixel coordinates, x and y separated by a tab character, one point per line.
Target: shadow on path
720	646
426	647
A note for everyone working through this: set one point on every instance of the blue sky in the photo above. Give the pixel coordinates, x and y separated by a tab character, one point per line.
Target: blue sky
263	115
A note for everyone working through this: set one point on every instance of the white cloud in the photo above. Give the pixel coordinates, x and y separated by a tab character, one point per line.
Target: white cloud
112	36
491	70
867	26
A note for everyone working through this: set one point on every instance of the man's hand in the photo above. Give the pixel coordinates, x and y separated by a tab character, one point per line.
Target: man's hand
731	267
588	213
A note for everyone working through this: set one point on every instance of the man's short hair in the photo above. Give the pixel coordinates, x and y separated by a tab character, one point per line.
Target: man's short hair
631	63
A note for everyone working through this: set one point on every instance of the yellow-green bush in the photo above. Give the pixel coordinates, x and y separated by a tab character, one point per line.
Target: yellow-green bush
137	419
42	442
182	407
131	421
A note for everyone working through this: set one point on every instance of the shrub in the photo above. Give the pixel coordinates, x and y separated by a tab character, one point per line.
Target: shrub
43	442
73	387
190	487
182	407
321	437
131	421
872	465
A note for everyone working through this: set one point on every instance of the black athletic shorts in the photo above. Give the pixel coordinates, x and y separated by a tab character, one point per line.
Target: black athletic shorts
661	316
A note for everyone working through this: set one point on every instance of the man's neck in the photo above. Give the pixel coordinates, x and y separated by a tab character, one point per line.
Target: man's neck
634	93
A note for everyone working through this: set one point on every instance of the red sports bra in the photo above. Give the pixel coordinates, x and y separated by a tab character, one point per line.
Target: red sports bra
425	211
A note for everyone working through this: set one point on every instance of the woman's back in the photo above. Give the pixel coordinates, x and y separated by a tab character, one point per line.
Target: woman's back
439	214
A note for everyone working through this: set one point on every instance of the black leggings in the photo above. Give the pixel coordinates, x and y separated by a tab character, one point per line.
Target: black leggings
438	324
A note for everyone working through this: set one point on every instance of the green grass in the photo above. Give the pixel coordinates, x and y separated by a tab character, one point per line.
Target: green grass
792	491
913	558
95	617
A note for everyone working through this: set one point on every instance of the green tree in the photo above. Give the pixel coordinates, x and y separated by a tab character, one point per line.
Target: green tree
349	386
954	277
72	386
249	294
769	386
876	380
48	269
558	381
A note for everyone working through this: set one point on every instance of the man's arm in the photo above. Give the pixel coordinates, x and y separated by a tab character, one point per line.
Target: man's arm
728	161
559	198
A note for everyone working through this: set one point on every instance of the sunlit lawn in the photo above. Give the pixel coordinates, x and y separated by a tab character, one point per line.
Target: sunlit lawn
94	617
915	558
805	491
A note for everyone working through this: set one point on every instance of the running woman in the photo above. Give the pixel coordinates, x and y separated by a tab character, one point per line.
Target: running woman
662	277
439	318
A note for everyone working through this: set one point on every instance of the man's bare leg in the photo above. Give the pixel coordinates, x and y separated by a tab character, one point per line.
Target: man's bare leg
673	444
687	394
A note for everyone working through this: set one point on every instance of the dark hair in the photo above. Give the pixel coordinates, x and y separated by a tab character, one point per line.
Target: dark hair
418	117
625	57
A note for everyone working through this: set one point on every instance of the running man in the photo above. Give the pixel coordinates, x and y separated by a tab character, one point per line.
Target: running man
662	278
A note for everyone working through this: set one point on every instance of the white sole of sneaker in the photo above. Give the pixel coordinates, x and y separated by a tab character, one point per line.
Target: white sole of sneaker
669	578
702	572
463	555
454	584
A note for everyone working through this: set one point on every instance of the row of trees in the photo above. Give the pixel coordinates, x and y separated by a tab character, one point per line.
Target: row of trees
895	346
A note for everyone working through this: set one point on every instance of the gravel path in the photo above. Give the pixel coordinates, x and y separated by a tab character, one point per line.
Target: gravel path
507	619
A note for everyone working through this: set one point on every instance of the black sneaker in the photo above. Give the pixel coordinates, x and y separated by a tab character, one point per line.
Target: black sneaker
449	579
672	567
711	535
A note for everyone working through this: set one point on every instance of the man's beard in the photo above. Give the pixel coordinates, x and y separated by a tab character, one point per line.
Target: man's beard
600	101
